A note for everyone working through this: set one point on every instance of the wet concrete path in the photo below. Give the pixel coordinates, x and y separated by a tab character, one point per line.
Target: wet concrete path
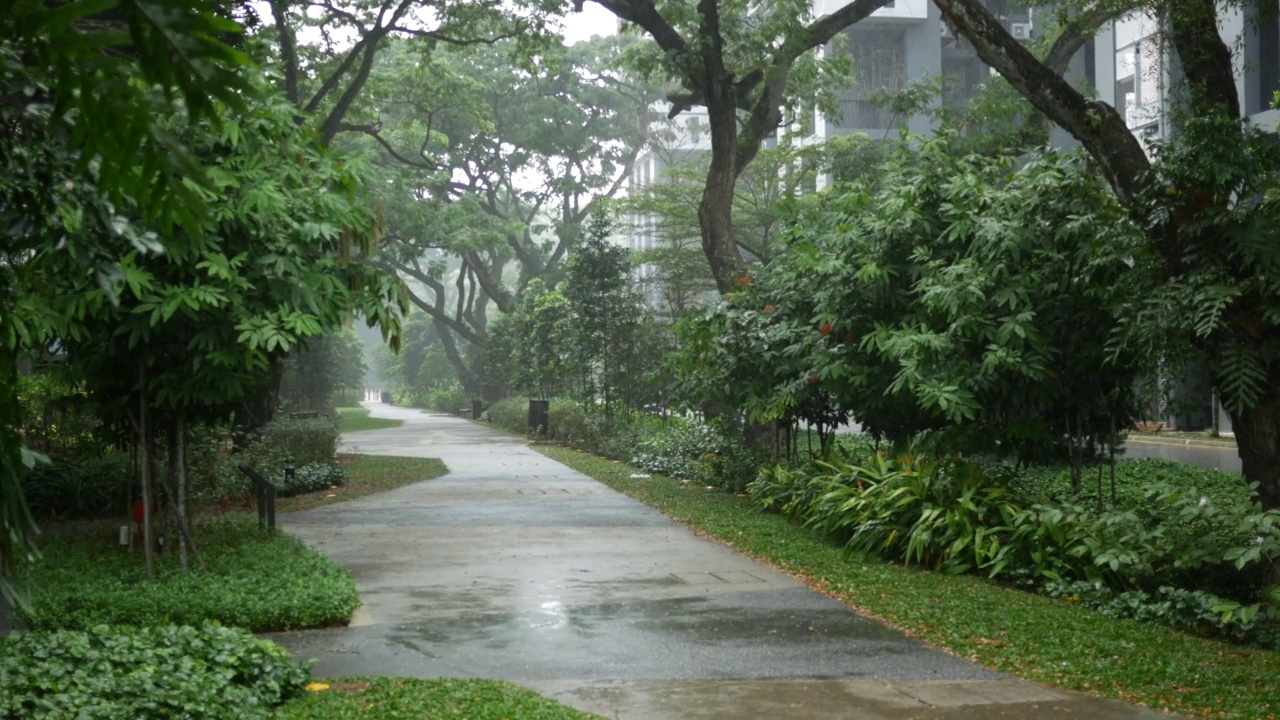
516	567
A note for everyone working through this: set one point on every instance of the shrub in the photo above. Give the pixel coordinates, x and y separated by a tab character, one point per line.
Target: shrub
216	477
673	449
1053	482
1170	555
449	399
255	581
77	489
569	423
946	515
313	440
208	673
730	469
1193	611
510	414
310	478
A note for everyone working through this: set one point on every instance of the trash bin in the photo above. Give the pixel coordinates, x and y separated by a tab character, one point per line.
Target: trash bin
539	418
386	397
477	407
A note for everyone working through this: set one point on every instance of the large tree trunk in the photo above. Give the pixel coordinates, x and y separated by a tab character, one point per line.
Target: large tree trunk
1257	432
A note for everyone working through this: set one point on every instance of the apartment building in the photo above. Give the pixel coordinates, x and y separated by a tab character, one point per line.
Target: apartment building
1128	64
904	40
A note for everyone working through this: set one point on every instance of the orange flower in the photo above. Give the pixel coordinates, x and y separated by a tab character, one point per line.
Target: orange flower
768	308
744	280
813	379
826	329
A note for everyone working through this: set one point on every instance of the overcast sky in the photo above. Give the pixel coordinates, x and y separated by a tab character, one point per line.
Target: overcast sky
593	20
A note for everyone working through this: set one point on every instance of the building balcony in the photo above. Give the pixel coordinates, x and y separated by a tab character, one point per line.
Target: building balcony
896	10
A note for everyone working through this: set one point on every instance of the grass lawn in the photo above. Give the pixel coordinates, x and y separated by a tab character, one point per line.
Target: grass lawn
257	582
356	419
1031	636
366	475
382	698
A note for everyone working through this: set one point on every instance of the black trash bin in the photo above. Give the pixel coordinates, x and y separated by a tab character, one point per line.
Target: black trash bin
539	418
386	398
477	407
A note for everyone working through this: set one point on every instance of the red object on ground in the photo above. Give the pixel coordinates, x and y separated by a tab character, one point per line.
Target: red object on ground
138	508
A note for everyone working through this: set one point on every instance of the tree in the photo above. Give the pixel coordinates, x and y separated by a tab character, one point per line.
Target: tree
966	296
1206	201
192	333
324	366
611	333
765	196
495	158
732	58
328	78
82	160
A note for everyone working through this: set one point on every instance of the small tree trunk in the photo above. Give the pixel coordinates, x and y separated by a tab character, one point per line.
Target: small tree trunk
177	493
1111	447
144	445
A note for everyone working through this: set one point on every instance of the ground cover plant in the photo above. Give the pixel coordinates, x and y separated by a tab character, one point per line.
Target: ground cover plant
1039	638
205	673
255	581
1182	546
356	419
383	698
366	475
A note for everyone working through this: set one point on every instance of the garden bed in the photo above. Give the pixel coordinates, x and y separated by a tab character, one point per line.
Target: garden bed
366	475
357	420
255	581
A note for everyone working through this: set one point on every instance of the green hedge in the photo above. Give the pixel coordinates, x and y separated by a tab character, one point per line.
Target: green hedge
210	673
313	440
258	582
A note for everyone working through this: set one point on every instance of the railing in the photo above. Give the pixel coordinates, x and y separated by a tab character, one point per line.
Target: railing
266	493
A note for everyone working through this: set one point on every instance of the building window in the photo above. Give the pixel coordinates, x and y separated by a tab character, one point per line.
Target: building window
694	128
879	67
1268	74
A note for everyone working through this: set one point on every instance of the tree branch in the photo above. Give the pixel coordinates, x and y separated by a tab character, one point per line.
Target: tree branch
1206	59
822	30
501	296
433	309
1095	124
449	39
288	49
644	14
373	131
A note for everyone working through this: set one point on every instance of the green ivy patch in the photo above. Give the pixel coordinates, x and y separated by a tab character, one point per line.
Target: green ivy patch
255	581
210	673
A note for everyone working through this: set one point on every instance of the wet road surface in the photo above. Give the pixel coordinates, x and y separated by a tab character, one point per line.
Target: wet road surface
516	567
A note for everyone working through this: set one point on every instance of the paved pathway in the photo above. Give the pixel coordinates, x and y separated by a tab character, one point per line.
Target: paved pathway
515	567
1212	454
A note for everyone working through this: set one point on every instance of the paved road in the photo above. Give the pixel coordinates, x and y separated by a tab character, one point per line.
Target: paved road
1210	454
515	567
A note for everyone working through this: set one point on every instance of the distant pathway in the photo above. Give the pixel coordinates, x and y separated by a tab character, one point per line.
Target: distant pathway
515	567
